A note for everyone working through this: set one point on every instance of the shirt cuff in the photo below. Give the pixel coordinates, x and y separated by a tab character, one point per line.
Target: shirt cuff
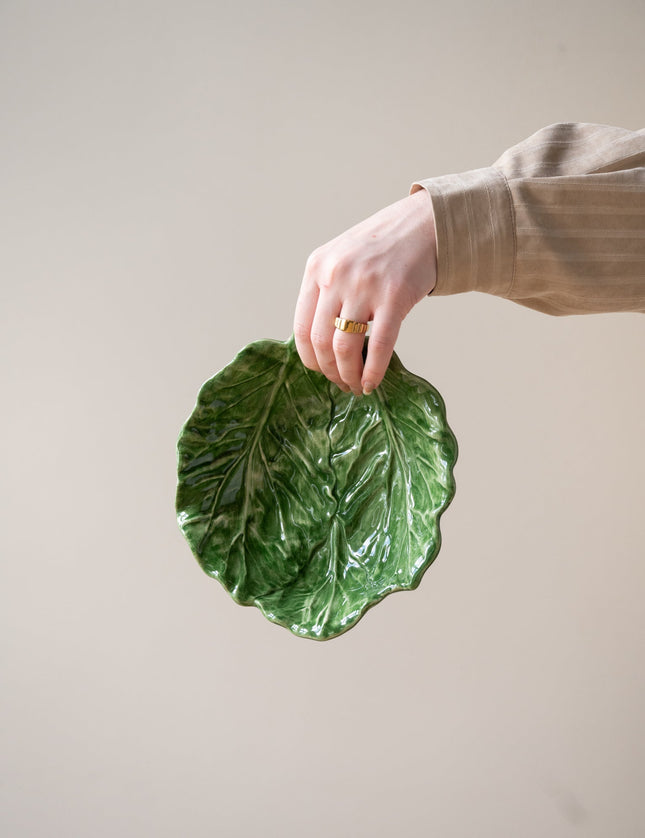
475	231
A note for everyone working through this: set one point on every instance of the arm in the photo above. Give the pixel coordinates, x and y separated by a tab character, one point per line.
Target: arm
556	224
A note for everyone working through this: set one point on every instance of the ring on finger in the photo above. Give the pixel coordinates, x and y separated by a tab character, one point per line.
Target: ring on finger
352	326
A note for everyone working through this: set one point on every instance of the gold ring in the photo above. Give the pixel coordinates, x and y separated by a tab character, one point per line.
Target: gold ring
352	326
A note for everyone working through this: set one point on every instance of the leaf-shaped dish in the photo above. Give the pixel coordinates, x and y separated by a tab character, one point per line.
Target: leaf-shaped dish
308	502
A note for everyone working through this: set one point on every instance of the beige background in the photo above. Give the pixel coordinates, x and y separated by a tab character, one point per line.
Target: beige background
166	168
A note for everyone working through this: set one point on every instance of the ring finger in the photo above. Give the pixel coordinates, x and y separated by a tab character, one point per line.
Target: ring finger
348	346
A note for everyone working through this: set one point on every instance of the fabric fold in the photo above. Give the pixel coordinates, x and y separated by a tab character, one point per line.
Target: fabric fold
474	229
557	223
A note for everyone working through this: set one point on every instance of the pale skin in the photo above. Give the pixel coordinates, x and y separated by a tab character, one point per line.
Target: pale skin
376	271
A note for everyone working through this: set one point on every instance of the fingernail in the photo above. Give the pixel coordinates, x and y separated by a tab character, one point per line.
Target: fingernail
357	392
367	388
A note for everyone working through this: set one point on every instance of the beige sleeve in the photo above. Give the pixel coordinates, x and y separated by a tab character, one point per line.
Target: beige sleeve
557	223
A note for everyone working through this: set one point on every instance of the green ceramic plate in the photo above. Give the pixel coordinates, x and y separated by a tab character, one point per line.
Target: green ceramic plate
308	502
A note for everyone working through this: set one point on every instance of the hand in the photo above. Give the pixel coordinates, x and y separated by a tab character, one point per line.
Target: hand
377	270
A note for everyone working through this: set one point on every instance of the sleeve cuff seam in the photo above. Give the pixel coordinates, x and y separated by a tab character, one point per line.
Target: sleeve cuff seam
511	209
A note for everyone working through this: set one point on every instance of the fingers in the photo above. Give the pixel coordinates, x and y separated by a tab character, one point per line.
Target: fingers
322	336
348	347
385	331
380	268
337	354
303	318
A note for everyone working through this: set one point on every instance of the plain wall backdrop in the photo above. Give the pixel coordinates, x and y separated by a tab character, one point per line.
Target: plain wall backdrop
165	170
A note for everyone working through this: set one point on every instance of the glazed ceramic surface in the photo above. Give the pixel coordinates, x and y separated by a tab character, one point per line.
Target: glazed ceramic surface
307	502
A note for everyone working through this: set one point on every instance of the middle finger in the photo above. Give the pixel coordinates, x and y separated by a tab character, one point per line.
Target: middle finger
348	347
322	333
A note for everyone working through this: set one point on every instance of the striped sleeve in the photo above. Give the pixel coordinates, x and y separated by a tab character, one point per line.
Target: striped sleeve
557	223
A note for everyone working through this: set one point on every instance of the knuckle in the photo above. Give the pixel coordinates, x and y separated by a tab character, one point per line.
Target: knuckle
313	261
381	343
333	270
344	350
320	341
301	332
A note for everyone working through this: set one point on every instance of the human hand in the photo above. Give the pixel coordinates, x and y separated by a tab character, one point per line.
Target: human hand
377	270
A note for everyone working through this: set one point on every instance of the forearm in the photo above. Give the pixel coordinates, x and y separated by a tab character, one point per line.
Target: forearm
556	224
